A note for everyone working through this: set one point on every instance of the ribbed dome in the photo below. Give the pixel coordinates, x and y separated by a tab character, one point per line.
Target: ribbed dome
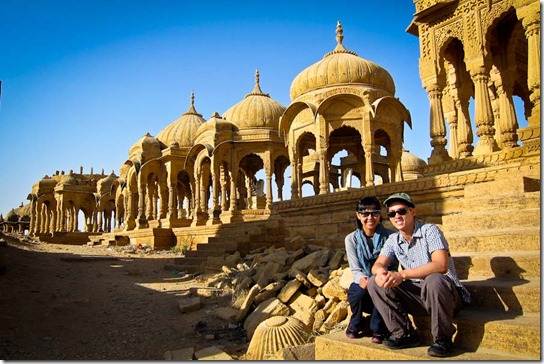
147	147
256	110
103	185
182	130
338	67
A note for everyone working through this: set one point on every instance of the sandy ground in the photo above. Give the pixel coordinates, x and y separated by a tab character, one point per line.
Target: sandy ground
108	305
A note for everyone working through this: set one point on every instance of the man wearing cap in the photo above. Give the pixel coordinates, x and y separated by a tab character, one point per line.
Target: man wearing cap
427	285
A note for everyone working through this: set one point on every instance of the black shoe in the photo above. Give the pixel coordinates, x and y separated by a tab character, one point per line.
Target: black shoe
409	340
353	334
441	348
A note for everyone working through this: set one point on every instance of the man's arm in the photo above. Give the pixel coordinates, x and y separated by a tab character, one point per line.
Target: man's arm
438	264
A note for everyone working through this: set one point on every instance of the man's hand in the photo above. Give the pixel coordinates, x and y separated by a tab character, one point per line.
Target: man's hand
388	279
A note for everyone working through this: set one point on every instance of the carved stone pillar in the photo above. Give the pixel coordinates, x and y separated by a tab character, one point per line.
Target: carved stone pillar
323	171
369	167
483	114
507	114
437	125
531	25
465	138
294	180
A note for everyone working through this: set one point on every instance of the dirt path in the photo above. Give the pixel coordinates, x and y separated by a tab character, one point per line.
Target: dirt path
111	306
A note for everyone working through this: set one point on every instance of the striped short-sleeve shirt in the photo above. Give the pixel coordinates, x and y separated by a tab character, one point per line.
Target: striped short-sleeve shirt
425	240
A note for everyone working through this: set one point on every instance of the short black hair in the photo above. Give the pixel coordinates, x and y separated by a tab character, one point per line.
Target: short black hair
368	202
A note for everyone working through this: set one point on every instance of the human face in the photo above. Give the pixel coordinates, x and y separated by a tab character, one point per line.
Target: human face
404	223
371	221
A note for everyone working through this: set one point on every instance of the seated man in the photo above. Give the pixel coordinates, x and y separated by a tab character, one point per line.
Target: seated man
426	285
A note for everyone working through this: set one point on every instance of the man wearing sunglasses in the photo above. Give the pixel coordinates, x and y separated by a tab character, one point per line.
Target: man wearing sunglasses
363	248
427	285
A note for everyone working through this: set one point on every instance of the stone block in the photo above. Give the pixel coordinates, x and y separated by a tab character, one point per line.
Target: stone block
303	308
333	289
289	290
212	353
184	354
226	313
269	291
317	278
300	352
313	260
189	304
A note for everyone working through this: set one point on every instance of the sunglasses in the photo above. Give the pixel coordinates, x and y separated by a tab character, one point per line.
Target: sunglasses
401	212
374	213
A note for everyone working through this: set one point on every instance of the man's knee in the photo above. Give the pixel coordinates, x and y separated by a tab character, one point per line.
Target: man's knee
436	282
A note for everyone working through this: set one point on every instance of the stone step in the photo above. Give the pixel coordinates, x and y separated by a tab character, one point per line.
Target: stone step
512	295
495	239
486	202
505	186
491	219
336	346
497	264
504	331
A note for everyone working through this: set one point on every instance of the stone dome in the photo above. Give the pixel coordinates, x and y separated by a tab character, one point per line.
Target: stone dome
216	123
12	216
340	67
256	110
68	179
412	166
184	129
147	147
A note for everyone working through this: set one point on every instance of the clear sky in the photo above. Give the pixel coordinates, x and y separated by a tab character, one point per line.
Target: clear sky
83	80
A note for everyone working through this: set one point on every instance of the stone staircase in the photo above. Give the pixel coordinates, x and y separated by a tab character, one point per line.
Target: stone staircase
232	238
495	242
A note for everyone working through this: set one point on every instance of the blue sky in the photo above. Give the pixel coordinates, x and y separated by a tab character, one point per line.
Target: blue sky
82	81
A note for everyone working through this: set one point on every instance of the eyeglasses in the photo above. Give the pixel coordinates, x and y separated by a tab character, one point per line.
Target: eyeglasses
401	212
374	213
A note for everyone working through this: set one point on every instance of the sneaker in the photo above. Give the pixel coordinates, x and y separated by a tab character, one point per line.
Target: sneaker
352	334
378	338
409	340
441	348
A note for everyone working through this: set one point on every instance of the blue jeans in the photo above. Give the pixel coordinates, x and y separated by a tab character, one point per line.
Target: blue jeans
360	301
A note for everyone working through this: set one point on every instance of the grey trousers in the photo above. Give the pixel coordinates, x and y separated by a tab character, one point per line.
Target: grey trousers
435	296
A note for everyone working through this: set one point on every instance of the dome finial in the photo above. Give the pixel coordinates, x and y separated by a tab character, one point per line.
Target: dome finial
339	32
257	89
339	38
192	109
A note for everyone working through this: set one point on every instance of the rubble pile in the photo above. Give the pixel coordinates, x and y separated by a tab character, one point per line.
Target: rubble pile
302	281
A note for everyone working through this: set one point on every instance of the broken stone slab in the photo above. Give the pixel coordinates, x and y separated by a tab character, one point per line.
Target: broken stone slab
338	315
303	308
289	290
296	242
313	260
180	354
88	258
317	277
189	304
204	291
336	261
333	289
246	304
212	353
269	291
304	352
226	313
301	276
265	272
